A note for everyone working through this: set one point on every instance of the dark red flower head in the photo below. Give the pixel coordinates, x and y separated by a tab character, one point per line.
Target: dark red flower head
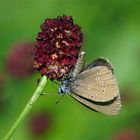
57	47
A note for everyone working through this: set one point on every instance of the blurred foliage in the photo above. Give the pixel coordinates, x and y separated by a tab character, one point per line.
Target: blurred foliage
111	29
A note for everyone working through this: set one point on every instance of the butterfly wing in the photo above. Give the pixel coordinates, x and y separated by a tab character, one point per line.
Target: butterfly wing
100	62
109	108
96	84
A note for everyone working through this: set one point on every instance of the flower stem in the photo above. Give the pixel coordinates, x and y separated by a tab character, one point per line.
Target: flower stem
28	107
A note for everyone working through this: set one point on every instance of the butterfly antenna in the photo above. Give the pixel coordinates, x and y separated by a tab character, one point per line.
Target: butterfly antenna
58	100
53	84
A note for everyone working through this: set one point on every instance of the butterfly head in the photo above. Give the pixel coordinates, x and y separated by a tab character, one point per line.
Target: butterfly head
65	85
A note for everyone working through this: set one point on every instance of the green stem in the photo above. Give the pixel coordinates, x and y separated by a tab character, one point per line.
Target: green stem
27	108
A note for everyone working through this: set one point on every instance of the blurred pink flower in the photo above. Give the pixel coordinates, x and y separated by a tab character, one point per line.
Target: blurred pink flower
19	62
128	95
40	123
127	134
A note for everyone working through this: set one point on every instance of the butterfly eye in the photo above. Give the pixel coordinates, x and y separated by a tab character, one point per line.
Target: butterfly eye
60	90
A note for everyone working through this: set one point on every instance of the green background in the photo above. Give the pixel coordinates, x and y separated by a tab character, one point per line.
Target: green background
111	30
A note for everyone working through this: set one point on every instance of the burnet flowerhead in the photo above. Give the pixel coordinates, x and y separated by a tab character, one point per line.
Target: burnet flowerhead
57	47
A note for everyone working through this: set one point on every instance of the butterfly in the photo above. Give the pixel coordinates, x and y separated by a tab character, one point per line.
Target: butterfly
94	86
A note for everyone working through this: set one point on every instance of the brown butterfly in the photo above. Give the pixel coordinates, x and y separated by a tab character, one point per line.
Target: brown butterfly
94	86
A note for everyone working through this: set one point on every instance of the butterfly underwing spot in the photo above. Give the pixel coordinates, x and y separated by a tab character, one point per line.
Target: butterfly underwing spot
103	90
101	82
97	94
97	78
